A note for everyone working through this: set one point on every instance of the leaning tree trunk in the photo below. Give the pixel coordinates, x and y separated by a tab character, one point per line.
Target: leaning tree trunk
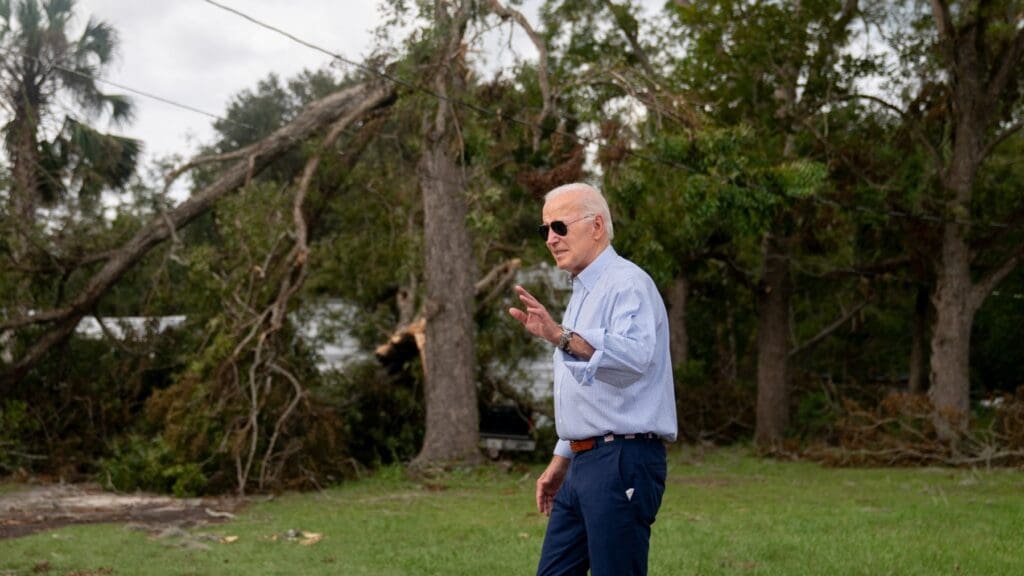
773	345
452	426
341	108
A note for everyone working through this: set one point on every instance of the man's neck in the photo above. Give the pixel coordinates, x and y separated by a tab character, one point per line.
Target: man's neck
593	258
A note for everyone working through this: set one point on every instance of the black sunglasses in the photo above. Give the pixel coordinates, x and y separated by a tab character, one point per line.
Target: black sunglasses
558	227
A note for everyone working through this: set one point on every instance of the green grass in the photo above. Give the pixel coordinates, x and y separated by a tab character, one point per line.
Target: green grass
726	513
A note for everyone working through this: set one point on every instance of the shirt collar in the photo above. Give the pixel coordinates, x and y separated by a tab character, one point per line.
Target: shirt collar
590	275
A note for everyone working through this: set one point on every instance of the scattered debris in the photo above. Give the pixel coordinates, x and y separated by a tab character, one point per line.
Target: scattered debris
301	536
218	514
50	506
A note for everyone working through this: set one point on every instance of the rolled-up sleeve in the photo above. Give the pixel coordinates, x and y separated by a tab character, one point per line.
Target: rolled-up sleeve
624	349
563	449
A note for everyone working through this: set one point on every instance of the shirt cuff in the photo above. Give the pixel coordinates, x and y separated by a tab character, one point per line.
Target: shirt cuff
562	449
586	371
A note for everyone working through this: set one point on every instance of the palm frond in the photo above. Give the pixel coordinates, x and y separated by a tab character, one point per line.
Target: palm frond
99	40
96	161
58	13
5	15
122	109
29	19
52	159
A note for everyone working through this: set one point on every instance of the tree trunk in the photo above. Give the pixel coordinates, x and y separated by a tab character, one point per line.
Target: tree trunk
678	339
983	75
951	336
452	427
726	362
917	381
449	351
24	185
773	346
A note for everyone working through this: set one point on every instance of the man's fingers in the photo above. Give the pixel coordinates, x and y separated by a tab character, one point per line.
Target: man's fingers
525	296
517	314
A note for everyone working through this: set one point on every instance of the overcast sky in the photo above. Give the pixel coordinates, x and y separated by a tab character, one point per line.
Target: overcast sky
197	54
192	52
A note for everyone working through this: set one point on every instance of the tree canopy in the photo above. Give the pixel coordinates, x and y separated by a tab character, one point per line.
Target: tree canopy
827	193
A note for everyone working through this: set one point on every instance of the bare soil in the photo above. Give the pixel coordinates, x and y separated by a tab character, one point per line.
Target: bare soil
37	508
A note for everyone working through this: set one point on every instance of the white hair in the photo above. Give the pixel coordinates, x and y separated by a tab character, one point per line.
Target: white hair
591	200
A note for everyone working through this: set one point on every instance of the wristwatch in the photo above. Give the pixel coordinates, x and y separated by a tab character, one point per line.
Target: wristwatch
564	339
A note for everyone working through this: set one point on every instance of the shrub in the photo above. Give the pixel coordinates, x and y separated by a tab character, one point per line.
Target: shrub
149	464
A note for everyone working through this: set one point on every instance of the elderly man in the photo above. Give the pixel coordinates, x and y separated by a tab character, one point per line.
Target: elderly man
613	392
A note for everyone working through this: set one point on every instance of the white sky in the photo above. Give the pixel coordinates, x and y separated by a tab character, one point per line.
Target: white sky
197	54
192	52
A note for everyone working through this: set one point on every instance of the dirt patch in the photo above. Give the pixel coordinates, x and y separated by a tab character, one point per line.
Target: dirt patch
38	508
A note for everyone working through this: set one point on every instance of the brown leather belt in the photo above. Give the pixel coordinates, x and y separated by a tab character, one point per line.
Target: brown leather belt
578	446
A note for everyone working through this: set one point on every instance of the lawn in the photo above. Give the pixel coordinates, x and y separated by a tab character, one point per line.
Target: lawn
725	512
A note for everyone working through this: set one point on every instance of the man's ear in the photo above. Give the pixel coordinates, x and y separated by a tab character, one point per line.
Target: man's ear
599	226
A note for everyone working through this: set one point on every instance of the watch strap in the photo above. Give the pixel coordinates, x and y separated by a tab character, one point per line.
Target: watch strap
565	339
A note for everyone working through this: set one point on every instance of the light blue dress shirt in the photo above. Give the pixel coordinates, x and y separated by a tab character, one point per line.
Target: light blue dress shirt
626	387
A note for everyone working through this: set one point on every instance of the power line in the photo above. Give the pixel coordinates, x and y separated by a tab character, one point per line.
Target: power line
149	95
442	97
136	91
582	139
483	111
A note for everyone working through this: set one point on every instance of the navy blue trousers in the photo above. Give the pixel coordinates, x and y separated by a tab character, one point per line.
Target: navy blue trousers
602	514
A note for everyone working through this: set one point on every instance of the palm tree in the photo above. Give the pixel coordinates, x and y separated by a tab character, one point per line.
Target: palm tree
41	62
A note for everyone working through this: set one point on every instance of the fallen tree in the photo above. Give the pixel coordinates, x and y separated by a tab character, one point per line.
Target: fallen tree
339	110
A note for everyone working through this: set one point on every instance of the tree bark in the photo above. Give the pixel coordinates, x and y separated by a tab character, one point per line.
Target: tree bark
951	336
726	357
917	381
679	342
347	105
24	185
773	329
983	73
453	420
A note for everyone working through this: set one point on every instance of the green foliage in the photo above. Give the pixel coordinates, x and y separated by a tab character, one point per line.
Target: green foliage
136	463
48	62
383	413
801	178
713	188
696	179
996	351
84	160
16	426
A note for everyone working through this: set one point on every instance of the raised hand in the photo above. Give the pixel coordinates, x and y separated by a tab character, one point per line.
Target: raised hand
535	318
